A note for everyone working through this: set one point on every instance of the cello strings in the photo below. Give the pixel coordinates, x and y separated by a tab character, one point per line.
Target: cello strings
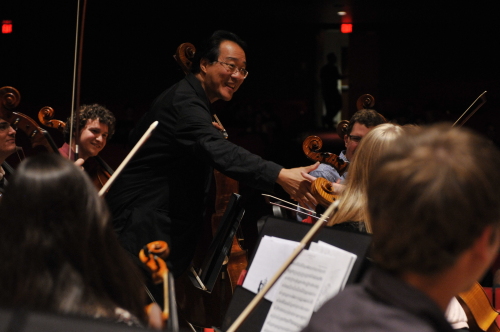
298	211
287	202
18	148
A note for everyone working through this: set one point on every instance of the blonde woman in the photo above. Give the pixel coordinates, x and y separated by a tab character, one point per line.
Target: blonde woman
351	211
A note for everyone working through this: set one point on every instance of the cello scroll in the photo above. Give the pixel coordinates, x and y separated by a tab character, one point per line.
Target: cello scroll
10	99
312	146
323	191
184	56
46	117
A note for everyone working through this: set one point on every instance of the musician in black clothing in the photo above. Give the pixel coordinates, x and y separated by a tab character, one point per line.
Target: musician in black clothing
161	193
7	147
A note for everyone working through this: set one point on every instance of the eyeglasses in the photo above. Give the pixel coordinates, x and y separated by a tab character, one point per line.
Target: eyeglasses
356	139
4	126
233	68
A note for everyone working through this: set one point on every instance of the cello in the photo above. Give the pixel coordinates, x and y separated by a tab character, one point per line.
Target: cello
481	316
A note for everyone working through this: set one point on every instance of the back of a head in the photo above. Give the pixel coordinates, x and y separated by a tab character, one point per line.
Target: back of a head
379	140
367	117
47	188
431	196
372	146
209	49
57	248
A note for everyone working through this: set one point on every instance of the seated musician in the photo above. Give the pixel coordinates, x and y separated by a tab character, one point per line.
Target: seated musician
351	214
435	214
360	124
96	125
58	251
7	147
161	194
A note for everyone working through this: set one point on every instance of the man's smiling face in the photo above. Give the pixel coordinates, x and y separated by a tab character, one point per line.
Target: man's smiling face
219	82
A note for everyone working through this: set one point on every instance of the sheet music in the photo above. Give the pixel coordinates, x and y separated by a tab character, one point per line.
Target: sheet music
340	264
271	254
314	277
297	293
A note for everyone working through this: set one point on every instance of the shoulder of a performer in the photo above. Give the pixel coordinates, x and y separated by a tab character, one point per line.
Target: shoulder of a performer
64	150
326	171
343	156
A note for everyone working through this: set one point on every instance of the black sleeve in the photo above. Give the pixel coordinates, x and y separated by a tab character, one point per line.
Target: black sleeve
194	131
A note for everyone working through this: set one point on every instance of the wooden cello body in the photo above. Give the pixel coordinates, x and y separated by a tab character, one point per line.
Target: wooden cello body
481	316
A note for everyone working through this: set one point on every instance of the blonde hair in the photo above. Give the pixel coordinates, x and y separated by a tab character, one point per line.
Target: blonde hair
353	199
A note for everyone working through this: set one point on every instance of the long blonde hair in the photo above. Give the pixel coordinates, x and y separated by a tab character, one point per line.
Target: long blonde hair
353	199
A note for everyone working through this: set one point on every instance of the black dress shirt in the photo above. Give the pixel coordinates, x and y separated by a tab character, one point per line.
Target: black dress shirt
161	193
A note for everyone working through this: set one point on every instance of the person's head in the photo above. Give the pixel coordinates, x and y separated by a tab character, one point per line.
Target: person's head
96	126
7	140
431	198
331	57
57	247
360	124
220	64
377	141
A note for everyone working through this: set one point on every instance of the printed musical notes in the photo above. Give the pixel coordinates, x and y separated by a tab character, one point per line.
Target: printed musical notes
315	276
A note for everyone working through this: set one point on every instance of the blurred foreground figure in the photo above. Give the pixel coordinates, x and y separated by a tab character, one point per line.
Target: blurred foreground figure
58	251
434	206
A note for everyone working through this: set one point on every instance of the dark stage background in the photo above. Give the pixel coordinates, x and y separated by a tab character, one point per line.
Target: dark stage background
423	61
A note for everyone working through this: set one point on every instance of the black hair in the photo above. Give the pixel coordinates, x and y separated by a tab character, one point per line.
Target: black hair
210	48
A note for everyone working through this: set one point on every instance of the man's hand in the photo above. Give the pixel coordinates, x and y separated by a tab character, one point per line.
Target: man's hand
79	162
298	187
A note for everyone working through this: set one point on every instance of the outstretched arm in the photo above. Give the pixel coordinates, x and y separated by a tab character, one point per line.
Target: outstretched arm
298	187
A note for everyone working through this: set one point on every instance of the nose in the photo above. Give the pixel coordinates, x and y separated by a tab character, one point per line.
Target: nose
12	131
237	74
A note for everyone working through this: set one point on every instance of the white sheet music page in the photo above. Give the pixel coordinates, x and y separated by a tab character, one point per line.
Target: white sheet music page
270	256
297	293
340	264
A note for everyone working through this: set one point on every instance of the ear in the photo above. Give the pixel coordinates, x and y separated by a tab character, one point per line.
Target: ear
346	137
485	247
203	65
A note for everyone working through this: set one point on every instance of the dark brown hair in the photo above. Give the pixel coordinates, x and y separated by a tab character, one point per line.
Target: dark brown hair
91	112
58	251
367	117
431	196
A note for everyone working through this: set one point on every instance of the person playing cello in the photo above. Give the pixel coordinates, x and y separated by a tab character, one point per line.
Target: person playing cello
361	123
7	147
96	126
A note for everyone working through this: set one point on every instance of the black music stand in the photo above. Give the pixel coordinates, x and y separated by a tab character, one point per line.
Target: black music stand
357	243
220	246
